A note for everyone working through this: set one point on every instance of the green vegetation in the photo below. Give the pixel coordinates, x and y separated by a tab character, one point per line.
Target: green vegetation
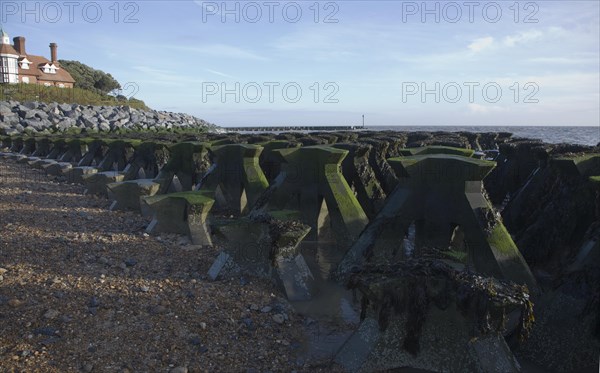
595	179
35	92
457	255
90	79
193	197
501	240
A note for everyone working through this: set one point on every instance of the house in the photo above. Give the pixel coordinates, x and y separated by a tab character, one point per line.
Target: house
19	67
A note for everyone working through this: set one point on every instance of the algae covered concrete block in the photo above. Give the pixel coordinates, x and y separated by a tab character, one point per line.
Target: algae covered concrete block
95	183
237	180
57	168
183	213
126	195
311	183
40	163
437	192
76	174
416	316
188	163
265	247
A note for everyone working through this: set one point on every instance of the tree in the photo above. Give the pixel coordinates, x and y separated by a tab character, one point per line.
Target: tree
89	78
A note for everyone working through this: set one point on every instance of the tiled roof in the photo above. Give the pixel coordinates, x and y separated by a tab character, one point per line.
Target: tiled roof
7	49
61	75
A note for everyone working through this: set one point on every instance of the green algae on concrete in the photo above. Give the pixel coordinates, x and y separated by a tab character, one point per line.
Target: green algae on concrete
126	195
5	142
95	183
116	158
149	157
29	145
146	162
436	149
74	150
96	149
439	192
16	144
584	165
236	180
311	183
270	162
361	177
311	178
183	213
188	161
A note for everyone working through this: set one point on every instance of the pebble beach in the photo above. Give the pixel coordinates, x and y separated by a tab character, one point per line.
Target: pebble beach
85	289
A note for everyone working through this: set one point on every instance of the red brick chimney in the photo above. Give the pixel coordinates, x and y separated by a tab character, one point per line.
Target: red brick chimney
20	45
53	48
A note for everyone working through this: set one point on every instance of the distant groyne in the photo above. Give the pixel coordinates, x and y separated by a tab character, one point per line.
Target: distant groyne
291	128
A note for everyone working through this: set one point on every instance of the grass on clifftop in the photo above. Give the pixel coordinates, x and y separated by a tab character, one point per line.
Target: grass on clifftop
34	92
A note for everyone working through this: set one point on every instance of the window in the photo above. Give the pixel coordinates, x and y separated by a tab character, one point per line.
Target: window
26	79
61	85
47	84
25	65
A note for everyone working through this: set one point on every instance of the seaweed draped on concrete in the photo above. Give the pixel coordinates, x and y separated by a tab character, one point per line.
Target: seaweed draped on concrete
425	314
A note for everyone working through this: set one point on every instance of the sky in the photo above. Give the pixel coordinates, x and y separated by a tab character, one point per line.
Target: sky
249	63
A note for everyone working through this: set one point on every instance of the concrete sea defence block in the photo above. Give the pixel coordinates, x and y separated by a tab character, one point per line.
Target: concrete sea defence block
126	195
76	174
237	179
189	162
440	193
423	314
54	168
266	247
95	183
183	213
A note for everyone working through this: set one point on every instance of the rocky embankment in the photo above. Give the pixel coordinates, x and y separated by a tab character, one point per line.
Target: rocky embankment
41	118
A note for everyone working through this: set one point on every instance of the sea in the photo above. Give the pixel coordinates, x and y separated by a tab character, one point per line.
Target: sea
553	135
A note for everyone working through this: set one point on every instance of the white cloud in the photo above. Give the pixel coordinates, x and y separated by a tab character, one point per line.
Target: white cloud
480	44
484	109
220	50
219	73
522	37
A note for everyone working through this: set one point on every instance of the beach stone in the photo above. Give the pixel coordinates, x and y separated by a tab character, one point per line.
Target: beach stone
51	314
179	370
